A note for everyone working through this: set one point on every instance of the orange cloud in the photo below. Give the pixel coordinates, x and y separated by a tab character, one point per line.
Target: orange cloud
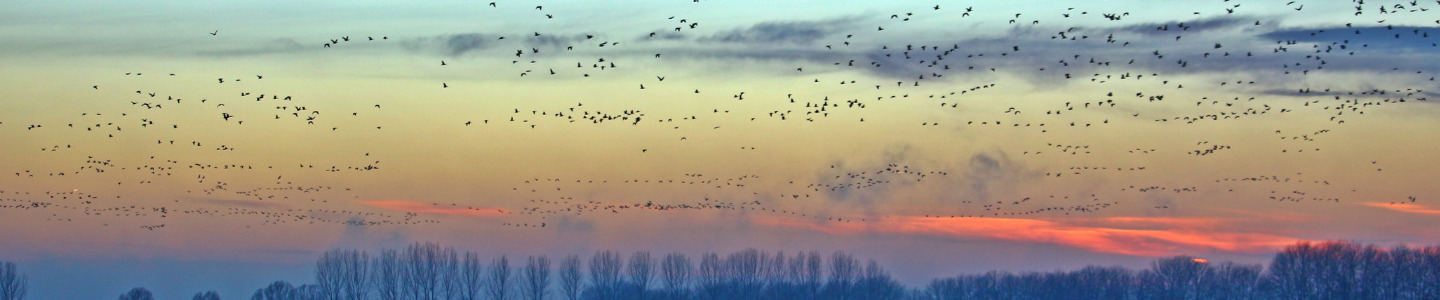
1405	208
1162	237
428	208
1151	222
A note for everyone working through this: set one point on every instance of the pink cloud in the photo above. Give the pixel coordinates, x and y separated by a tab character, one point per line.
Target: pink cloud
1154	237
1405	208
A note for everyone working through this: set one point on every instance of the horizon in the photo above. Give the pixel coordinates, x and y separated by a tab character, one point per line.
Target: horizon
1303	270
150	142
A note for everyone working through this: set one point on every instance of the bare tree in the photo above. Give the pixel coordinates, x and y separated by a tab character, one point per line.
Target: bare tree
712	276
1429	271
12	282
388	275
1233	281
844	269
1338	269
774	269
803	271
675	272
450	279
423	266
305	292
1102	282
536	277
641	270
343	275
744	268
498	283
471	277
1176	277
605	272
356	272
208	295
792	272
1409	274
570	277
278	290
877	284
811	275
138	293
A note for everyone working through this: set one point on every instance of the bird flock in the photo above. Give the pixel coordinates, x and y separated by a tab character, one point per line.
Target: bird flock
1063	111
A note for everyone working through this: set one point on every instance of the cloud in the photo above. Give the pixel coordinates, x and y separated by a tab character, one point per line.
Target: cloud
868	182
1368	39
663	36
428	208
902	176
784	33
988	172
1372	92
1128	236
764	42
1246	49
1188	27
463	43
1409	208
460	43
1152	222
569	224
357	235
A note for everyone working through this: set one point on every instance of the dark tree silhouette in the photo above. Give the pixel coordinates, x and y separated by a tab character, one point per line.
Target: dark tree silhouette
1095	282
343	275
605	275
570	277
875	283
536	278
712	277
1411	279
744	268
640	271
207	295
278	290
424	266
12	282
675	275
1306	270
387	275
306	292
1230	281
1175	278
773	270
138	293
471	277
809	275
1346	270
498	282
785	277
844	269
450	278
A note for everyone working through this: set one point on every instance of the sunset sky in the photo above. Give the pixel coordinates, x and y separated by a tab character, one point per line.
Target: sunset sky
187	146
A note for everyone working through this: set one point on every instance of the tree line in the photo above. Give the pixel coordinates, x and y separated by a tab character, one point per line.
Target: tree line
427	271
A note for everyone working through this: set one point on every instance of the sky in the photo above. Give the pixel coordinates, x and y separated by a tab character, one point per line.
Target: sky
187	146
